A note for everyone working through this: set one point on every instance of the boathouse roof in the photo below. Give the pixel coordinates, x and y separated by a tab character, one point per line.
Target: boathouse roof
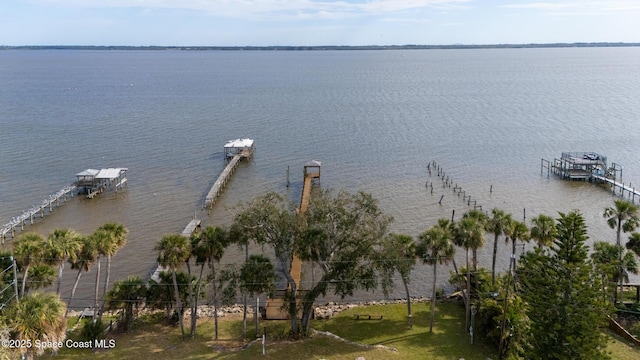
239	143
88	172
110	173
313	163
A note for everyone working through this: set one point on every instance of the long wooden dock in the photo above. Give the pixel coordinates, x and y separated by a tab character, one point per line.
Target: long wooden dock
234	151
37	211
273	308
90	182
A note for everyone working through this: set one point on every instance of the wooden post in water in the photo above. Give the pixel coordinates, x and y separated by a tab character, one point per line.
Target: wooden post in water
440	202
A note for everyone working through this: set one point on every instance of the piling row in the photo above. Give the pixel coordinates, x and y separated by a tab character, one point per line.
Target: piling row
447	182
36	210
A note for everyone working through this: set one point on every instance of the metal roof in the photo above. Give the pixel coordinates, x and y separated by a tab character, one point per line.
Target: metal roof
239	143
88	172
110	173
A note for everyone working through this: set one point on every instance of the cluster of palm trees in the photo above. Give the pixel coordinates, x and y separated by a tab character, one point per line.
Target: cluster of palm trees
437	245
207	249
36	316
37	256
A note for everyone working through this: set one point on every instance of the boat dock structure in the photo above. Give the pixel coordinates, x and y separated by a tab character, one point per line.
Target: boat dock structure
593	167
89	182
92	182
275	303
234	152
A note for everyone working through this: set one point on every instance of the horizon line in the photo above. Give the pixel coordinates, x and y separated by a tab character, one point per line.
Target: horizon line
319	47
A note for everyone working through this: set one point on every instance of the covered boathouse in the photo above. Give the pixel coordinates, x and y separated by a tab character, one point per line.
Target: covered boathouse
581	166
92	182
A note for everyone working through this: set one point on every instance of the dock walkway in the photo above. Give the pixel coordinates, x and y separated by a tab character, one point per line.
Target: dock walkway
631	192
35	210
217	187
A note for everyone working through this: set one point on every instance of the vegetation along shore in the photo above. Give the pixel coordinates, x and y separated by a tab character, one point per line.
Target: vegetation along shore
555	300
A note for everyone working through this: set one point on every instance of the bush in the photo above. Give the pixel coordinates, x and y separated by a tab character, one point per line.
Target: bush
92	330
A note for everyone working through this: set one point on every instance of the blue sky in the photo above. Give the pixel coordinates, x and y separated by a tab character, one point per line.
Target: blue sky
315	22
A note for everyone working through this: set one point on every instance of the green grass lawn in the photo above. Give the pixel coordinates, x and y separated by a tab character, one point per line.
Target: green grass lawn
149	339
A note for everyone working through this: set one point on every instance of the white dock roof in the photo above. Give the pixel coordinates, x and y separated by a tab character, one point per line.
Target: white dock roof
110	173
239	143
88	172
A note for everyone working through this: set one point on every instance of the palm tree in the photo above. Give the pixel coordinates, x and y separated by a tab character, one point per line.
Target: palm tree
634	243
482	218
623	216
173	251
543	230
117	239
615	263
27	250
127	294
208	248
398	254
257	276
102	243
469	234
517	230
86	257
37	317
435	248
496	224
41	275
62	244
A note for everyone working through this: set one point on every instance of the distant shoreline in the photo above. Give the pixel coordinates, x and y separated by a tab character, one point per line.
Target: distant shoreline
321	47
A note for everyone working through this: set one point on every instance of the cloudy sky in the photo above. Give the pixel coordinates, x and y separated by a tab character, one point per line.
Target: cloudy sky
315	22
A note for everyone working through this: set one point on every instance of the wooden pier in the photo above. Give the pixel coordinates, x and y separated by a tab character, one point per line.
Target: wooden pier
592	167
274	306
234	151
37	211
192	227
90	182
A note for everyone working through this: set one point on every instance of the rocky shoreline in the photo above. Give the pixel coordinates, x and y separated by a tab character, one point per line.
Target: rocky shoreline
326	311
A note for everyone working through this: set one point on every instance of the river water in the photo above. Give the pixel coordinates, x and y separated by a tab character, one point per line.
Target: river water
374	118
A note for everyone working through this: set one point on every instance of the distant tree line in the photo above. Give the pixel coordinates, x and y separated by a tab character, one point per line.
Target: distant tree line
319	47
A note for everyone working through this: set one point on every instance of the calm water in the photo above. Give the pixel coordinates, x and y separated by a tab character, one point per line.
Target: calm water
374	119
